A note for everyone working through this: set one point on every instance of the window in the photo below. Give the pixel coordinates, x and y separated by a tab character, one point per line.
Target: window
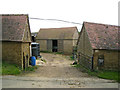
100	60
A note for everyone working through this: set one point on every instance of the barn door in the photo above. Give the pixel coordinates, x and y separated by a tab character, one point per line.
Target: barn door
60	46
49	45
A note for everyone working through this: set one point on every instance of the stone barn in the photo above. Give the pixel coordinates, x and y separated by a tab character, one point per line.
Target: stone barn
58	39
97	46
16	39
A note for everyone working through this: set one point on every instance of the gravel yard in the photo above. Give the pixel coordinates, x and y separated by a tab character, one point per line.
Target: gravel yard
56	72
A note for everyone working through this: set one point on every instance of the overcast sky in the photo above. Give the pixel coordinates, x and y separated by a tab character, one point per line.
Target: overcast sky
98	11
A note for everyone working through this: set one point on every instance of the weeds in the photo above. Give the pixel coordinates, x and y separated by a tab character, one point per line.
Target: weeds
71	58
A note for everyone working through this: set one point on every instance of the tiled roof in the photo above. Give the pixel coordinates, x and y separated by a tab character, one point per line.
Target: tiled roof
57	33
13	27
102	36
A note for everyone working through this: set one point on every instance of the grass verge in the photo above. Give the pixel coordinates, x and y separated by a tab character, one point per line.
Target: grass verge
113	75
51	52
10	69
13	69
104	74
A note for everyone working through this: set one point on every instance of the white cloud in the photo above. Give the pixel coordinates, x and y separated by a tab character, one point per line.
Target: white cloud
99	11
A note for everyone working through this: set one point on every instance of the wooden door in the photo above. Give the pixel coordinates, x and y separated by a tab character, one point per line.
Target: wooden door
60	46
49	45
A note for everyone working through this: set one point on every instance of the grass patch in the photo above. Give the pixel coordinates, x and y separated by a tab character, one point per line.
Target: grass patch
44	60
112	75
31	68
45	51
58	52
0	68
10	69
76	65
51	52
13	69
104	74
71	58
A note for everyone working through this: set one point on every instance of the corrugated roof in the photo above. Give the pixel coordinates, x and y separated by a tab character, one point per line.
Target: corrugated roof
57	33
102	36
13	26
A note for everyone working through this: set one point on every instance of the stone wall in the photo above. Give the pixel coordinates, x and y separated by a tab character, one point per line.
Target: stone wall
84	45
26	51
84	50
12	52
27	34
43	44
68	46
110	59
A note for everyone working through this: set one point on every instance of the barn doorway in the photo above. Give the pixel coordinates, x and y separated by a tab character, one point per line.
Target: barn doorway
23	61
54	45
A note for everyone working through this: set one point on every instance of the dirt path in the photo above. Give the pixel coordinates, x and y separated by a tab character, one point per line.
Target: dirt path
56	66
57	73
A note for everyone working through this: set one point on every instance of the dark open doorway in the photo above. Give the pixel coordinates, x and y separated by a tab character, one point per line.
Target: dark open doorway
54	45
23	61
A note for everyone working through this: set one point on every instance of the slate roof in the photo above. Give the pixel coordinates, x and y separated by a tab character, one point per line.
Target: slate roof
102	36
57	33
13	27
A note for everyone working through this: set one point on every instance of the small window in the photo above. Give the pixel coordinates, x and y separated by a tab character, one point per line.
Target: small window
101	60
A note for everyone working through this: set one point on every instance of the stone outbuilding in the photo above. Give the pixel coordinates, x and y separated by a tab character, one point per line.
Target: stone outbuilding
16	39
57	39
97	46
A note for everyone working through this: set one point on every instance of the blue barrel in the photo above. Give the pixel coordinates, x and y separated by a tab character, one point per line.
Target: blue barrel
33	61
